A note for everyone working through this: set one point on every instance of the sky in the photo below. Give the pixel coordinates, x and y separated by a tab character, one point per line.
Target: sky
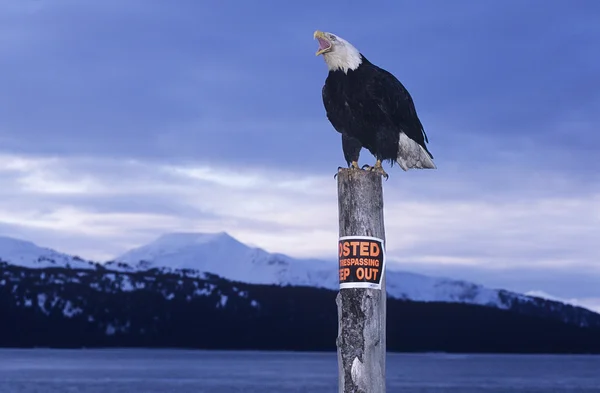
124	120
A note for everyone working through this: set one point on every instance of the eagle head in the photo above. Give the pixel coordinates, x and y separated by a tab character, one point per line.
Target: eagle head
338	53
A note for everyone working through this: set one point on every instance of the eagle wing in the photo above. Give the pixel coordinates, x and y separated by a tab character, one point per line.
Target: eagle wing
376	97
337	115
392	98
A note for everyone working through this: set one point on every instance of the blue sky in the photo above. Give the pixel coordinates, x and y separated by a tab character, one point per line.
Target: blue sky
122	120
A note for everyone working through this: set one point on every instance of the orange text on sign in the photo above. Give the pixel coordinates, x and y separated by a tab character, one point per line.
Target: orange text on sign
344	273
359	262
362	273
362	248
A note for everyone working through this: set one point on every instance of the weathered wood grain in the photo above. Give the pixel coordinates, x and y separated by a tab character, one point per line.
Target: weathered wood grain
361	338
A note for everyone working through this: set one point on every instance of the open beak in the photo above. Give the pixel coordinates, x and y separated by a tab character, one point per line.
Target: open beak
324	44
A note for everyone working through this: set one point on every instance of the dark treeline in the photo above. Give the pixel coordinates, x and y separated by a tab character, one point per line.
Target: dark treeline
174	311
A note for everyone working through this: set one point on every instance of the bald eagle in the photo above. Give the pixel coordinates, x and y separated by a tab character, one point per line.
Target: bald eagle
370	108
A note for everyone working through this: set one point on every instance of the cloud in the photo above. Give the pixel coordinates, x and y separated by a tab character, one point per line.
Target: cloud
56	201
172	83
123	120
548	231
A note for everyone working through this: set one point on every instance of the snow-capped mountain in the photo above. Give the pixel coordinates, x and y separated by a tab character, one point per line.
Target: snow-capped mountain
593	306
221	254
153	308
27	254
188	290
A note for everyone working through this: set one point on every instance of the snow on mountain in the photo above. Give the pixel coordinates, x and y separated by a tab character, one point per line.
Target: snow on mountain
405	285
27	254
221	254
593	306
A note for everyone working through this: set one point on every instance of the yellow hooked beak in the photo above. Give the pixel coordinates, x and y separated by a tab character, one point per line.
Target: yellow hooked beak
324	43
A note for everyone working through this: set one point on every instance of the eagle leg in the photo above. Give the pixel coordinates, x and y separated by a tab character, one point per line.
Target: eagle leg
353	165
377	168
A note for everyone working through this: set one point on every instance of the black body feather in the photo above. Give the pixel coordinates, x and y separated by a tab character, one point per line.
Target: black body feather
370	107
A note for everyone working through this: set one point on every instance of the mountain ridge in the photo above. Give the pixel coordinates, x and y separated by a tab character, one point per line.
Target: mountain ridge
222	255
399	284
83	308
89	304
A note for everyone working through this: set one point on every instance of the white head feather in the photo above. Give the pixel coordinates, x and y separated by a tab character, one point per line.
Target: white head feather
341	54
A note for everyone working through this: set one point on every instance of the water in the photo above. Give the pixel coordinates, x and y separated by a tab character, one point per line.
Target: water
178	371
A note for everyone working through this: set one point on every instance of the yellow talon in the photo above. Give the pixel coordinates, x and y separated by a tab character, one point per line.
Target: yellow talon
353	165
377	168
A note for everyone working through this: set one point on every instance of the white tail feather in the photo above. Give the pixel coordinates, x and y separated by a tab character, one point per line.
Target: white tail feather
412	155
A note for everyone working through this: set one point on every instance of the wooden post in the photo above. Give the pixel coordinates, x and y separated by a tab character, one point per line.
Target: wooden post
361	341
